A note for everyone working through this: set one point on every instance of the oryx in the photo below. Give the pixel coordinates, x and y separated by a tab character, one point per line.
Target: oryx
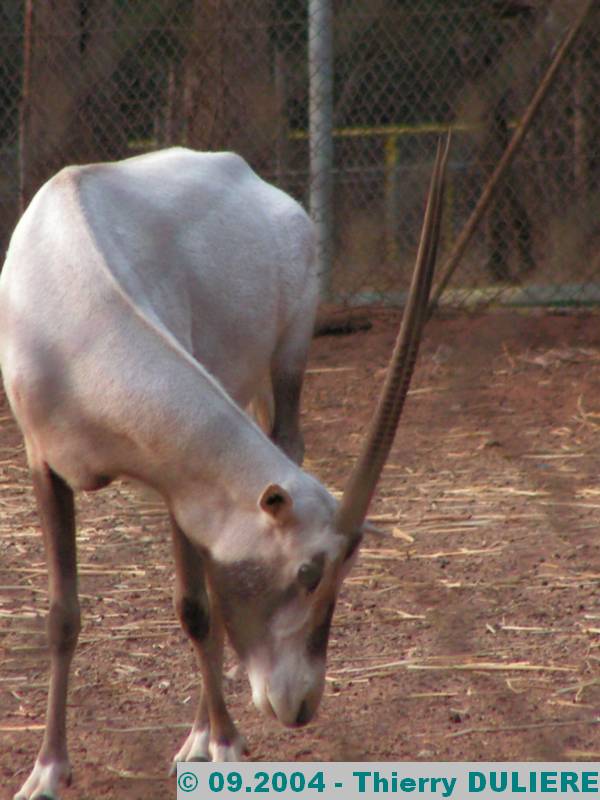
143	304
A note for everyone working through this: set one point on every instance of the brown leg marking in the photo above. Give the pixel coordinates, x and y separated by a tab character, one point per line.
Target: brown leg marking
57	515
200	620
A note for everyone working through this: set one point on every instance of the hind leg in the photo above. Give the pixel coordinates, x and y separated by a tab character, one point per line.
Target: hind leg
287	376
276	409
286	433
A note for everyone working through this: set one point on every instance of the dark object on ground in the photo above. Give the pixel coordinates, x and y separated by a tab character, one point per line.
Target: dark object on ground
332	321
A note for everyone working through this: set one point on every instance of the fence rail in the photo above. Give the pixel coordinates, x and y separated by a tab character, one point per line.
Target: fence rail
345	118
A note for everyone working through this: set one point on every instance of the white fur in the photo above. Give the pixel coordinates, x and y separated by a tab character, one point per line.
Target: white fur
195	748
45	780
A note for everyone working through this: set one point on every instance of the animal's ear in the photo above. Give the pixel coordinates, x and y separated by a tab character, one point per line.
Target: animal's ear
276	502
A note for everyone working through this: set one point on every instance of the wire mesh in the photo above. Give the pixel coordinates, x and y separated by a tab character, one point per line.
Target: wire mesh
91	80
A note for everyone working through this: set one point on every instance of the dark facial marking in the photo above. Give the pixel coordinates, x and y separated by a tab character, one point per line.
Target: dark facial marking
246	580
316	647
194	619
249	595
310	574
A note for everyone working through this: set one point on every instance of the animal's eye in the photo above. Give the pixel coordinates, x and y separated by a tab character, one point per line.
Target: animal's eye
309	575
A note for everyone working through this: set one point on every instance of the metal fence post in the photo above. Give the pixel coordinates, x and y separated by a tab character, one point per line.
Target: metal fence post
320	67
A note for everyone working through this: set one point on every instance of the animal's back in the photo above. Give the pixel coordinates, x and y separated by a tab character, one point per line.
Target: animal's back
197	243
231	251
118	273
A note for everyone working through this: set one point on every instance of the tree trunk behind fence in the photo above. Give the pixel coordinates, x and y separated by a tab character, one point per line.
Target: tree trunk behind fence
230	99
69	113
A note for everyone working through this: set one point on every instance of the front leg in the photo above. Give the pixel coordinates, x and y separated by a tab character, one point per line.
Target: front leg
56	510
213	737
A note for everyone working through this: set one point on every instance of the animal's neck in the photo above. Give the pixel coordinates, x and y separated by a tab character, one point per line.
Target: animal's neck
177	428
207	457
227	479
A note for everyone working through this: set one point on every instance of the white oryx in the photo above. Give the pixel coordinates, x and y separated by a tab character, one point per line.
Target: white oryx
143	304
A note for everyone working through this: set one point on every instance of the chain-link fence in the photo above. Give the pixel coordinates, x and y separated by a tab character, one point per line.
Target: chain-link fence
89	80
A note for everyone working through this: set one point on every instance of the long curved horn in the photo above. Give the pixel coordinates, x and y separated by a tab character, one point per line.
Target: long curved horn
363	479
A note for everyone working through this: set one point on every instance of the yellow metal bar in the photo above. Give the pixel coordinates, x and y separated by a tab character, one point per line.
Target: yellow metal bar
398	130
392	130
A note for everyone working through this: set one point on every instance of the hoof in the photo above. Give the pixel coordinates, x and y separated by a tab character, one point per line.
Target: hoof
44	781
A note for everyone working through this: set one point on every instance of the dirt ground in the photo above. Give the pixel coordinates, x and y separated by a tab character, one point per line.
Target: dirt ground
469	631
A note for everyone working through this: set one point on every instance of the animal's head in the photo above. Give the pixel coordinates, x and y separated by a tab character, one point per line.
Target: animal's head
277	599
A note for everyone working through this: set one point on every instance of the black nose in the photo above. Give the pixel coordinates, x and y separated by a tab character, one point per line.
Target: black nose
303	714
